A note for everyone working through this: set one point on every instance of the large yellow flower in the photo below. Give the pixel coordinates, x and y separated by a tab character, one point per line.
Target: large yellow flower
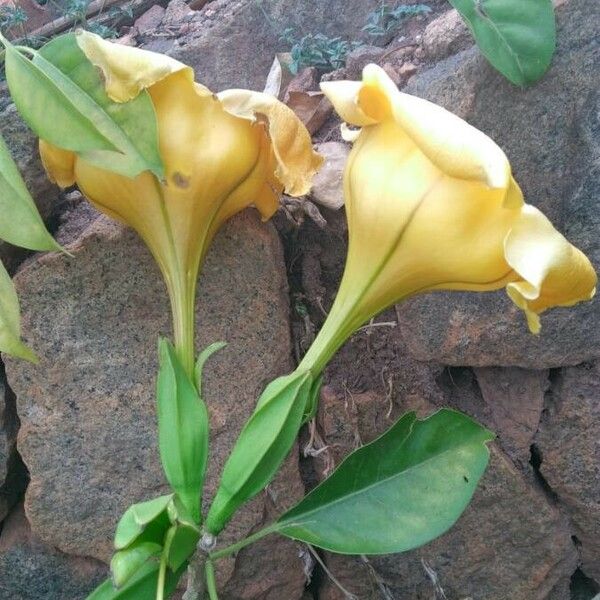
431	204
221	153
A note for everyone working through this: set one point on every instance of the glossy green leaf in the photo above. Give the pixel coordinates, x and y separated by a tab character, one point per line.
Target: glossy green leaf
147	521
201	361
140	587
20	221
265	441
397	493
518	37
182	430
10	320
126	563
60	95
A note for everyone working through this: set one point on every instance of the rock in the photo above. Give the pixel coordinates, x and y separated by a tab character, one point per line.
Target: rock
33	570
12	474
569	450
150	20
550	134
446	35
88	432
231	44
510	542
515	398
360	57
327	186
307	80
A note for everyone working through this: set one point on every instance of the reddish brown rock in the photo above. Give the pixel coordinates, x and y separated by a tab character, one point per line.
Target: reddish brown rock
88	431
569	450
446	35
510	543
515	398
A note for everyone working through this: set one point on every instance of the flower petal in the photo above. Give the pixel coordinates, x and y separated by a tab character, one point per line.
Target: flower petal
454	146
553	272
58	163
127	70
297	162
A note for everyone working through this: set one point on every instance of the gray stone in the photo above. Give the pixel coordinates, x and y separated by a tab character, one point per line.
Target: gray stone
550	134
88	431
569	449
31	569
231	44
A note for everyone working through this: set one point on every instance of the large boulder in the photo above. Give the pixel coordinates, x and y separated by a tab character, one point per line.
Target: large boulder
88	434
550	134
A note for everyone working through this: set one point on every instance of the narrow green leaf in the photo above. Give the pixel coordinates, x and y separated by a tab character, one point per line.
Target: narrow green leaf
397	493
265	441
140	587
313	400
61	97
202	358
518	37
182	430
21	223
150	518
125	563
10	320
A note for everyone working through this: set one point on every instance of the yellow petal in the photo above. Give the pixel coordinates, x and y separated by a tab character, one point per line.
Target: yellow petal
127	70
58	163
344	95
454	146
297	162
553	272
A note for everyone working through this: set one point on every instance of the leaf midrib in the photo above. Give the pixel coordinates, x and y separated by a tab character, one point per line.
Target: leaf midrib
374	485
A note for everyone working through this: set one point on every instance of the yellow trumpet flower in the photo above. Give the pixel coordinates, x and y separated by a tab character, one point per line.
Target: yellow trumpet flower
432	205
221	153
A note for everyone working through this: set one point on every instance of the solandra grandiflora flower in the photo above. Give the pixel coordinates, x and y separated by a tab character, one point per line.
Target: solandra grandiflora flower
221	153
432	205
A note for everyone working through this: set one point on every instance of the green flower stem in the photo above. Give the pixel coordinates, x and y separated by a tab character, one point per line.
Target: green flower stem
162	569
243	543
211	583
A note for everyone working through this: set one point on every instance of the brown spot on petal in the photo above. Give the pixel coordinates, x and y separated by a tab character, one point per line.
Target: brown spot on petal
181	181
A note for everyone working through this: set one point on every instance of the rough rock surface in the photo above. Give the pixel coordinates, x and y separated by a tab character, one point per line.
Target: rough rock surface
33	570
569	450
88	432
11	476
550	134
515	399
510	543
232	44
446	35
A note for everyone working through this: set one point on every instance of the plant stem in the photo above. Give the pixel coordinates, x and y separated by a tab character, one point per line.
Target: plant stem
162	574
243	543
211	583
164	563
